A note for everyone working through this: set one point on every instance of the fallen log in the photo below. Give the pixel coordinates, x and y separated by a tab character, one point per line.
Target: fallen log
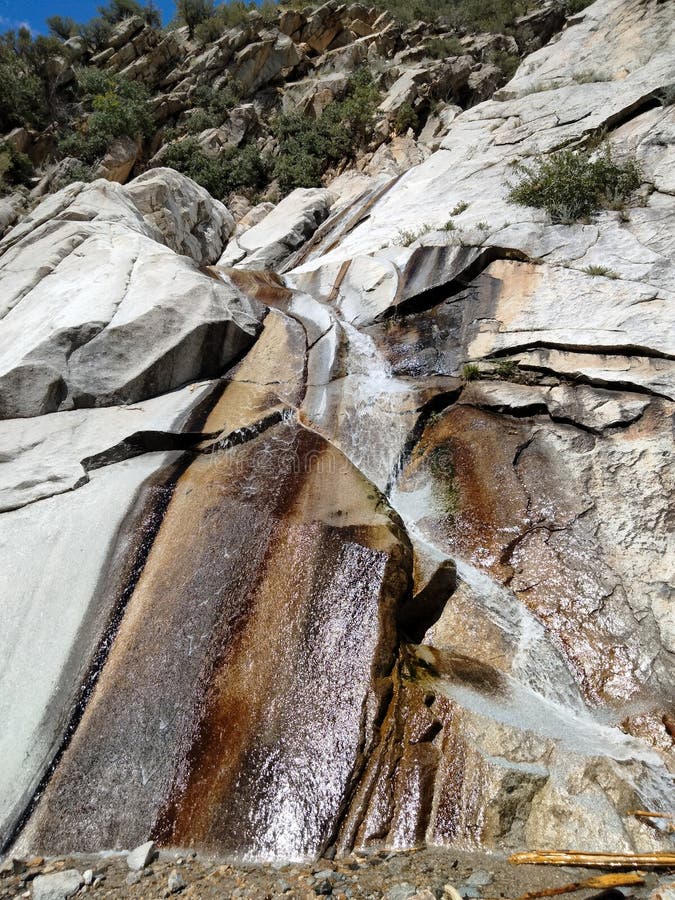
662	859
596	881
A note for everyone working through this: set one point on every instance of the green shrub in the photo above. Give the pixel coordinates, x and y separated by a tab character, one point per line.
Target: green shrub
226	15
118	107
572	7
408	236
570	185
506	62
96	32
26	85
193	13
15	167
600	270
117	10
308	147
470	372
406	118
506	368
235	168
201	119
469	15
444	47
62	26
459	208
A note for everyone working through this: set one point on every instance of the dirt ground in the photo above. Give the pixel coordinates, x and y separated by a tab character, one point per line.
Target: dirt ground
422	874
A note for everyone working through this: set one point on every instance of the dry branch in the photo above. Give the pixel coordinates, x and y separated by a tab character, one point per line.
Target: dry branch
597	881
661	859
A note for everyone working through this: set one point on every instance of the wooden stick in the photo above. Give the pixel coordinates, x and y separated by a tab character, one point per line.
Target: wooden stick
661	859
597	881
643	814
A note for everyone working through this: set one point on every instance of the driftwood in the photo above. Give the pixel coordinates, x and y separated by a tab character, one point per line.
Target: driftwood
643	814
659	860
597	881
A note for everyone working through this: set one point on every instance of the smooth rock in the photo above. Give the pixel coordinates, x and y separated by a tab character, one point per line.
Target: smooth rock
118	161
176	882
96	331
141	856
56	886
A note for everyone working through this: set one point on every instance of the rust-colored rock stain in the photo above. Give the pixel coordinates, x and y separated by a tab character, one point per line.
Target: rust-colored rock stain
247	669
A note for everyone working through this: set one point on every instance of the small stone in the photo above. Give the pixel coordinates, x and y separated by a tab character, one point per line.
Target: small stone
402	891
469	891
12	866
324	873
323	889
57	886
88	876
283	887
176	882
35	861
480	878
133	878
664	891
141	856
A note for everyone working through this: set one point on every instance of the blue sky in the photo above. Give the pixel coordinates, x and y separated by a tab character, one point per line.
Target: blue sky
34	12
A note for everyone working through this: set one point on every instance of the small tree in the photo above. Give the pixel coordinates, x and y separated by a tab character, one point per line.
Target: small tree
117	10
62	26
194	12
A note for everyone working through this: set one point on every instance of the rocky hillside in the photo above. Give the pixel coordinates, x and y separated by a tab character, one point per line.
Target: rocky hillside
342	522
283	98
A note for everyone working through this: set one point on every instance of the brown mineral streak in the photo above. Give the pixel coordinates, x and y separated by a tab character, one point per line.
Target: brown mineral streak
234	703
237	699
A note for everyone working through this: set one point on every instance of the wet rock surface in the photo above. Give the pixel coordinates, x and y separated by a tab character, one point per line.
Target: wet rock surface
358	540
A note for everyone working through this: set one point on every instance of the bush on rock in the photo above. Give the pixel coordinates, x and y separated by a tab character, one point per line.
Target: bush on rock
571	185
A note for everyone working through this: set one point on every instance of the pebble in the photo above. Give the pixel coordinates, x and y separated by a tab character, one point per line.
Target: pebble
402	891
88	876
480	878
133	878
176	882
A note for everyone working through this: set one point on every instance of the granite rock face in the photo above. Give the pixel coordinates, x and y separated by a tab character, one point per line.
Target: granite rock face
97	309
306	581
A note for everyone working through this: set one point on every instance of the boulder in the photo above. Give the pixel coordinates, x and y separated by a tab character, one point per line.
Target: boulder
400	154
125	30
141	856
96	331
260	62
322	27
118	161
283	230
11	208
57	885
189	220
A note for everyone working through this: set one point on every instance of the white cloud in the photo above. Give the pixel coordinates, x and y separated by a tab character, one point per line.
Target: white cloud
14	24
